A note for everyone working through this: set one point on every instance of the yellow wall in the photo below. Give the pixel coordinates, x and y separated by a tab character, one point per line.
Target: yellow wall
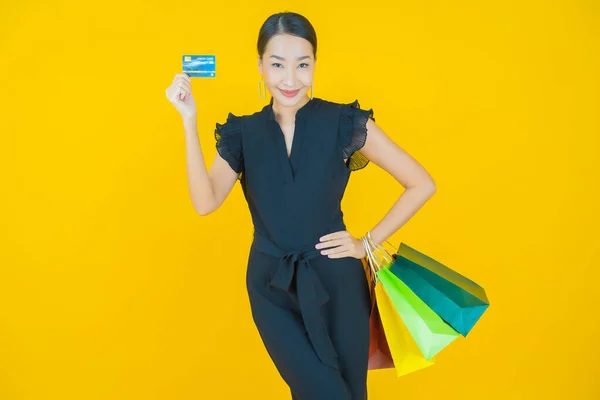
111	287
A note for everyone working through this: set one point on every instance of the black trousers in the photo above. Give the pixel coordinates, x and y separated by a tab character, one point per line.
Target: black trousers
312	313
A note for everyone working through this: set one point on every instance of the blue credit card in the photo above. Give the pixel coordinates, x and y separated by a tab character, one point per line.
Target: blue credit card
199	66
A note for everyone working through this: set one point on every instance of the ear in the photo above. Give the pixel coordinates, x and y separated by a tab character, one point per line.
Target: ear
259	62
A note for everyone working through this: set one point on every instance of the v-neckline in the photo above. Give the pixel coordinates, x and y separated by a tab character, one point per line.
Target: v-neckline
293	145
294	137
289	163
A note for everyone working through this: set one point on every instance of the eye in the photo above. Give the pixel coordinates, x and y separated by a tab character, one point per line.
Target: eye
274	64
304	64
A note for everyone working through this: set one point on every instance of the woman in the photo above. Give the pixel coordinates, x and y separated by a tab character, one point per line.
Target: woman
307	287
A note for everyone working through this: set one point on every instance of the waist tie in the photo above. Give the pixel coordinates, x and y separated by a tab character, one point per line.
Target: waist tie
310	292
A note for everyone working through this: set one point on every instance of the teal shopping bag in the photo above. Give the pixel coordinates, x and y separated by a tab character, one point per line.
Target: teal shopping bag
456	299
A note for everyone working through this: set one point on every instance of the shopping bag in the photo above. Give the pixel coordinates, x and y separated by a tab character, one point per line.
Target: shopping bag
458	300
380	356
396	340
379	350
405	352
429	331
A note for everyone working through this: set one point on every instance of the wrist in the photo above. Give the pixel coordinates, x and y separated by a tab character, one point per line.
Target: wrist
190	120
373	239
365	242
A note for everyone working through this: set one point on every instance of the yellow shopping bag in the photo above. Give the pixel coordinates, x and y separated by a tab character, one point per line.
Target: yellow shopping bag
405	352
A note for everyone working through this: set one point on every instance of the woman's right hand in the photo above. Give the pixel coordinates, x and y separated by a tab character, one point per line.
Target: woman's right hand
180	95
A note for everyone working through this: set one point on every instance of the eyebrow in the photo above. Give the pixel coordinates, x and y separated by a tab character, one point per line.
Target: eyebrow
283	59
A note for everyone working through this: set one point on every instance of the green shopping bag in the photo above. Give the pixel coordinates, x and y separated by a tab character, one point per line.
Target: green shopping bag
430	332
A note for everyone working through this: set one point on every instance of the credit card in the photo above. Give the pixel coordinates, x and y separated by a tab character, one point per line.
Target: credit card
199	66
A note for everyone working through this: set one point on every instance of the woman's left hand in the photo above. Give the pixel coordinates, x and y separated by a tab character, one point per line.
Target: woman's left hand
343	243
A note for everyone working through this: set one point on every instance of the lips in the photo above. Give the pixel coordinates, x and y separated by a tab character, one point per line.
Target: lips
289	93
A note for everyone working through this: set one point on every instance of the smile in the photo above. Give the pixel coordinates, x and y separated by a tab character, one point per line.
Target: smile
289	93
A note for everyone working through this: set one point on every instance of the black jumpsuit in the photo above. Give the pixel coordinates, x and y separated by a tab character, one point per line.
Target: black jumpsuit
312	312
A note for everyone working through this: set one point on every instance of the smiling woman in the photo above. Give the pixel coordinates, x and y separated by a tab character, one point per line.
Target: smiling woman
308	291
307	288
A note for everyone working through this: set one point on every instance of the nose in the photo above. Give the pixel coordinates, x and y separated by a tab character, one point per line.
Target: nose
290	78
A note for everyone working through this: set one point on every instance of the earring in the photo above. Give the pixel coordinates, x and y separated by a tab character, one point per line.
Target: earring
312	90
262	94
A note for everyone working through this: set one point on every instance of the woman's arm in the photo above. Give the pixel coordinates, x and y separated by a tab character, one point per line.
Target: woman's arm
419	185
208	190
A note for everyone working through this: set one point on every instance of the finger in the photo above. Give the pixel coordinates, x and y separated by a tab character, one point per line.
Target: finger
174	91
341	254
329	243
182	94
178	93
333	235
183	76
337	249
333	242
181	82
185	85
185	79
185	93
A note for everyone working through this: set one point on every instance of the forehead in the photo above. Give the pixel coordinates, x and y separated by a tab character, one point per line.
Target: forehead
288	46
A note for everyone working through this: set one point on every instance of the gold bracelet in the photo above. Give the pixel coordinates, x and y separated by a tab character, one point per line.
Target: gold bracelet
370	238
364	239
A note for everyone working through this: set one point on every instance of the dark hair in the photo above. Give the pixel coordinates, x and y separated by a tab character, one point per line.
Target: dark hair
286	22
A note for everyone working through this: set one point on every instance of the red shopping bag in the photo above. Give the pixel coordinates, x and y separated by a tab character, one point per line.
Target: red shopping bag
379	351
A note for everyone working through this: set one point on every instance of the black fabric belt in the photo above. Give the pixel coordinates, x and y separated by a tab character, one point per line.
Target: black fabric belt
311	294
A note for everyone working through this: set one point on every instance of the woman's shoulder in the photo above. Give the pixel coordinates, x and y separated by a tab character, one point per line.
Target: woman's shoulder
330	102
344	107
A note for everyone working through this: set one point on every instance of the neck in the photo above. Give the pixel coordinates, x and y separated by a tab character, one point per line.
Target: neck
283	113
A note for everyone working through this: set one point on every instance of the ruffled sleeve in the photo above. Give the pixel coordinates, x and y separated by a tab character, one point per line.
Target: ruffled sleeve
228	138
353	134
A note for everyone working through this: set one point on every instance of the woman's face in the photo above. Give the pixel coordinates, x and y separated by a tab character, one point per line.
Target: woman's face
287	65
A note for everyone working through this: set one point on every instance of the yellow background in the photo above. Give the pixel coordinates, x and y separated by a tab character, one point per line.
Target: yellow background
112	287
